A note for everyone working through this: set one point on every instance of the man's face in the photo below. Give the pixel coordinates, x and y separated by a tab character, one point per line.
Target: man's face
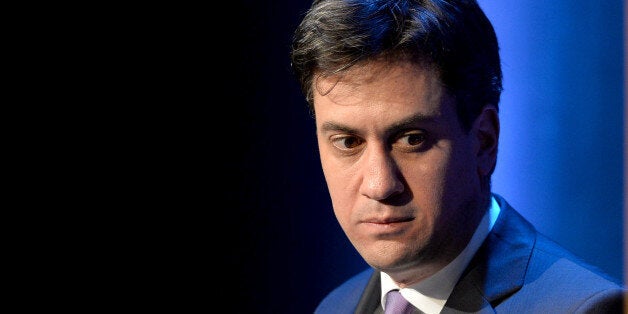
402	173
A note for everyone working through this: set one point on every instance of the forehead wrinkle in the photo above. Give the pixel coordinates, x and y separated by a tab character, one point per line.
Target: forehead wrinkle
398	104
364	78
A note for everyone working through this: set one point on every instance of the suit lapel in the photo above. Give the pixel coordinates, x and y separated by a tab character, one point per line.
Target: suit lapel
370	300
496	271
498	268
466	298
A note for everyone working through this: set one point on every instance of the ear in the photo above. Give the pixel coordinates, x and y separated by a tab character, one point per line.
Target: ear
487	131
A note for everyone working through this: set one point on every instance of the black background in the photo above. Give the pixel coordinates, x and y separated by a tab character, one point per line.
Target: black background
284	244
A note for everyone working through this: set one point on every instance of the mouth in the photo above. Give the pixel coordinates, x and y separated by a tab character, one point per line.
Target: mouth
389	220
387	225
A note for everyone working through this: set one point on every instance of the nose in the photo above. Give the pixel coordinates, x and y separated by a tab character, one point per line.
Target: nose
381	177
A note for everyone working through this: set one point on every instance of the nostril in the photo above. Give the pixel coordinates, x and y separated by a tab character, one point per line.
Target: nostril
382	185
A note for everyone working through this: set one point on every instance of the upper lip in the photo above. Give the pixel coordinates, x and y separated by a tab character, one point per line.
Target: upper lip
387	220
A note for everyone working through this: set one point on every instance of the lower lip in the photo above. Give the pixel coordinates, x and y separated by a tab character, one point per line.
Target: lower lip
387	228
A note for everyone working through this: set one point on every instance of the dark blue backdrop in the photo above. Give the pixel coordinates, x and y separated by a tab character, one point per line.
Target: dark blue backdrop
561	151
560	161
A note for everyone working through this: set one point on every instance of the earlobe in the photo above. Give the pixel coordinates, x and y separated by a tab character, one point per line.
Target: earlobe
487	131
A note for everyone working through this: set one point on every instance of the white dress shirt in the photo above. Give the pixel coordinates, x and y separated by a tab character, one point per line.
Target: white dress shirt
430	294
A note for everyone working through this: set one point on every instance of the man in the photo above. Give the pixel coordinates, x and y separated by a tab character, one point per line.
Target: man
405	97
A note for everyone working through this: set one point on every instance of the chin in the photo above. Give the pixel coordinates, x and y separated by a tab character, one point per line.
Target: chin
388	256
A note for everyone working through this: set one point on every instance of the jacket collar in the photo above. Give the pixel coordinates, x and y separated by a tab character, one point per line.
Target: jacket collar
498	268
495	272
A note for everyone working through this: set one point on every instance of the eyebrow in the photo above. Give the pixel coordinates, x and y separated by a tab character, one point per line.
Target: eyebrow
334	126
412	121
404	124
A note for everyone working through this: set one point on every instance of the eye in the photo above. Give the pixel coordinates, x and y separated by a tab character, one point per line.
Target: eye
346	142
411	140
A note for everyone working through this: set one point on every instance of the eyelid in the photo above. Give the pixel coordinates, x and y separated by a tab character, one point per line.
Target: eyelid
402	139
407	132
337	141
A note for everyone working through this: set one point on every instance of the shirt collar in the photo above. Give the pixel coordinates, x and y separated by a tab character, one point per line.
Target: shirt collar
430	294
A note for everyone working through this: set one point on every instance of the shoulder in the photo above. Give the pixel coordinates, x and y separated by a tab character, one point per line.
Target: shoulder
345	298
557	271
560	282
555	278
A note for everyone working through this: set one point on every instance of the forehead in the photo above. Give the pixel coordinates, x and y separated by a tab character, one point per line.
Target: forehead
380	89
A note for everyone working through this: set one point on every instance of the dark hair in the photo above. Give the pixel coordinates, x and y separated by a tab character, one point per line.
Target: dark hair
453	36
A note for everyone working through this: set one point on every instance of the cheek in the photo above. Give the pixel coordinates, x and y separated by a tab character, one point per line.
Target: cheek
433	183
462	171
341	191
340	184
426	179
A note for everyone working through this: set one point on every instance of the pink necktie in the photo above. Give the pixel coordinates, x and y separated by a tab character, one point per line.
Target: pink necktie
397	304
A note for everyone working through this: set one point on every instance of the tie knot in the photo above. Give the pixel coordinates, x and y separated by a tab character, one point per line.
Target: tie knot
397	304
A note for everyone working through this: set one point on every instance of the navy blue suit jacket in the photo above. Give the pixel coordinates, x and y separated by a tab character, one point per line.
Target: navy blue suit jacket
516	270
